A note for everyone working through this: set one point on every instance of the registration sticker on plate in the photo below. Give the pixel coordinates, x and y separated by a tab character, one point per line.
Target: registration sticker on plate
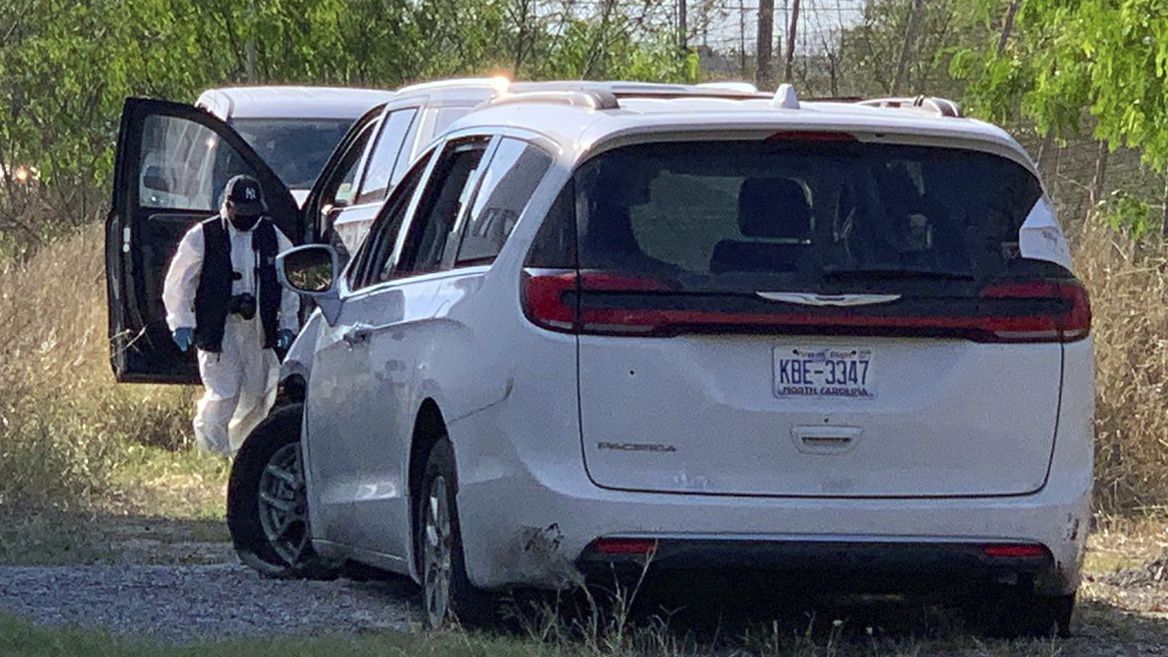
825	372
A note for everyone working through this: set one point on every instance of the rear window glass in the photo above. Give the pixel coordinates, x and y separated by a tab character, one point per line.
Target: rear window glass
296	149
758	215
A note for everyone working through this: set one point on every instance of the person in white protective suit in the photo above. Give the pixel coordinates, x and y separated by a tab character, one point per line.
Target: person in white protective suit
222	296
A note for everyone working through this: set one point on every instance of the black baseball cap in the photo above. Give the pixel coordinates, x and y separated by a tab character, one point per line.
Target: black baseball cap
245	194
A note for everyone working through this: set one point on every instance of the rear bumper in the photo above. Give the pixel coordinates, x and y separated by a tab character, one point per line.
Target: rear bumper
544	540
844	565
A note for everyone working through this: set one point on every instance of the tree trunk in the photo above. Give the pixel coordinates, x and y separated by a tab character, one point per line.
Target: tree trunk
1164	226
742	37
682	27
910	35
766	30
792	32
1008	25
1095	193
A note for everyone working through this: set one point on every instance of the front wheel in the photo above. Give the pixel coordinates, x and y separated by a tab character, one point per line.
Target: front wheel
447	594
267	501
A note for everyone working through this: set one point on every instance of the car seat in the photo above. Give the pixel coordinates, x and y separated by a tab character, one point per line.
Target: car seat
775	217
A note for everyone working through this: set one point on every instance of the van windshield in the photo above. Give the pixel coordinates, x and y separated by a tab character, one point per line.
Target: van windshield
296	149
800	215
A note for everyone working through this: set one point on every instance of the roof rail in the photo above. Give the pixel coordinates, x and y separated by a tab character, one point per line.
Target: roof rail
940	106
730	85
600	99
498	82
631	89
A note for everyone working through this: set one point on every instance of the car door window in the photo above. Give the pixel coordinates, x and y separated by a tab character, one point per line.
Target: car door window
447	193
184	165
373	261
343	189
386	151
430	123
516	168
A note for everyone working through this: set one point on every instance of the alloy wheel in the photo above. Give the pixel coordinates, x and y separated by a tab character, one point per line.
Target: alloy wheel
283	504
437	549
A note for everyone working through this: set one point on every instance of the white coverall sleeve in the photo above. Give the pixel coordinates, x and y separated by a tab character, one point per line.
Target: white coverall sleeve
290	301
182	280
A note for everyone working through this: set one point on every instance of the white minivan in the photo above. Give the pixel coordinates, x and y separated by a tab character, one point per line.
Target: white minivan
841	341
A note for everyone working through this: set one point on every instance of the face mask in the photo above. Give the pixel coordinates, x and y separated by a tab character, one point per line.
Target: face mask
244	222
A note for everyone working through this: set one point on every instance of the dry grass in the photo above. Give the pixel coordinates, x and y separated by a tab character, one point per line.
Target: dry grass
65	426
1129	294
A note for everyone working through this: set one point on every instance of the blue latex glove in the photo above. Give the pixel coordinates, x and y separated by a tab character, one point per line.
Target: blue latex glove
184	337
284	339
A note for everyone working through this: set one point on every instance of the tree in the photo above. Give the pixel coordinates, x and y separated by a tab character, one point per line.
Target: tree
66	67
899	47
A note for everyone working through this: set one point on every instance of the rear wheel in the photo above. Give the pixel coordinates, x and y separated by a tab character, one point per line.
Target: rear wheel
267	502
447	594
1017	611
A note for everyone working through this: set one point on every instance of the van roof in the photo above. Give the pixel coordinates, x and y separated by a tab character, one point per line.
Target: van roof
291	102
578	119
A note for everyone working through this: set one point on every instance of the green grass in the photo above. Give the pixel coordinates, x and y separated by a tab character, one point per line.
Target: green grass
187	484
21	639
159	506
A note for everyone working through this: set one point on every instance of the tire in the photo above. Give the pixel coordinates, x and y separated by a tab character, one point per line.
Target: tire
283	511
447	594
1010	612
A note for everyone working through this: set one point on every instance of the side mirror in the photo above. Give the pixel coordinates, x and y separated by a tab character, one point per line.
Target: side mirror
312	271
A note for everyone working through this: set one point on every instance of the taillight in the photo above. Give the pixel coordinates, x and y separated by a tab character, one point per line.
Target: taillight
546	299
624	546
812	136
1069	322
551	299
1015	551
607	303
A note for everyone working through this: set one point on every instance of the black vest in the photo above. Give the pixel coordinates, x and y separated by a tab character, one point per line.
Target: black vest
213	297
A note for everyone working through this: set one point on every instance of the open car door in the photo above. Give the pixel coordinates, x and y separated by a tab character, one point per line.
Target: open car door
173	161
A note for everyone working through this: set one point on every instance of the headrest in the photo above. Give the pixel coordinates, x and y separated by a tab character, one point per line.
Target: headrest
773	208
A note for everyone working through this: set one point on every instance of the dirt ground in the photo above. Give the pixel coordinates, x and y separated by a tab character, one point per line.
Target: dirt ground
1123	603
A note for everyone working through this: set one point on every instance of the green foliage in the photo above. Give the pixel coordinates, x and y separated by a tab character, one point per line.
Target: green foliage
1129	214
1068	58
65	67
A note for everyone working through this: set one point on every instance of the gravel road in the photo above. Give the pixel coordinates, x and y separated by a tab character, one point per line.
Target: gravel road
189	603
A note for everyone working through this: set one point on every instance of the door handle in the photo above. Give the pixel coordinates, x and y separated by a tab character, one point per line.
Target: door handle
825	439
357	335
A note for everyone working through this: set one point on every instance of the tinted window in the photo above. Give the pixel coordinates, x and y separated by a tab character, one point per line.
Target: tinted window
343	187
446	194
296	149
374	257
554	246
385	154
741	216
515	170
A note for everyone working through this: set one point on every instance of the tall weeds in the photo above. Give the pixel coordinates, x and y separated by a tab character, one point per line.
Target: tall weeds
1129	295
64	423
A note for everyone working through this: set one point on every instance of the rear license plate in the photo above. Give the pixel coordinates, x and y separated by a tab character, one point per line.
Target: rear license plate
824	372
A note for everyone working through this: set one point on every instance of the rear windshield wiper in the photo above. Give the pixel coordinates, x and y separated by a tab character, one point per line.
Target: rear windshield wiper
892	273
